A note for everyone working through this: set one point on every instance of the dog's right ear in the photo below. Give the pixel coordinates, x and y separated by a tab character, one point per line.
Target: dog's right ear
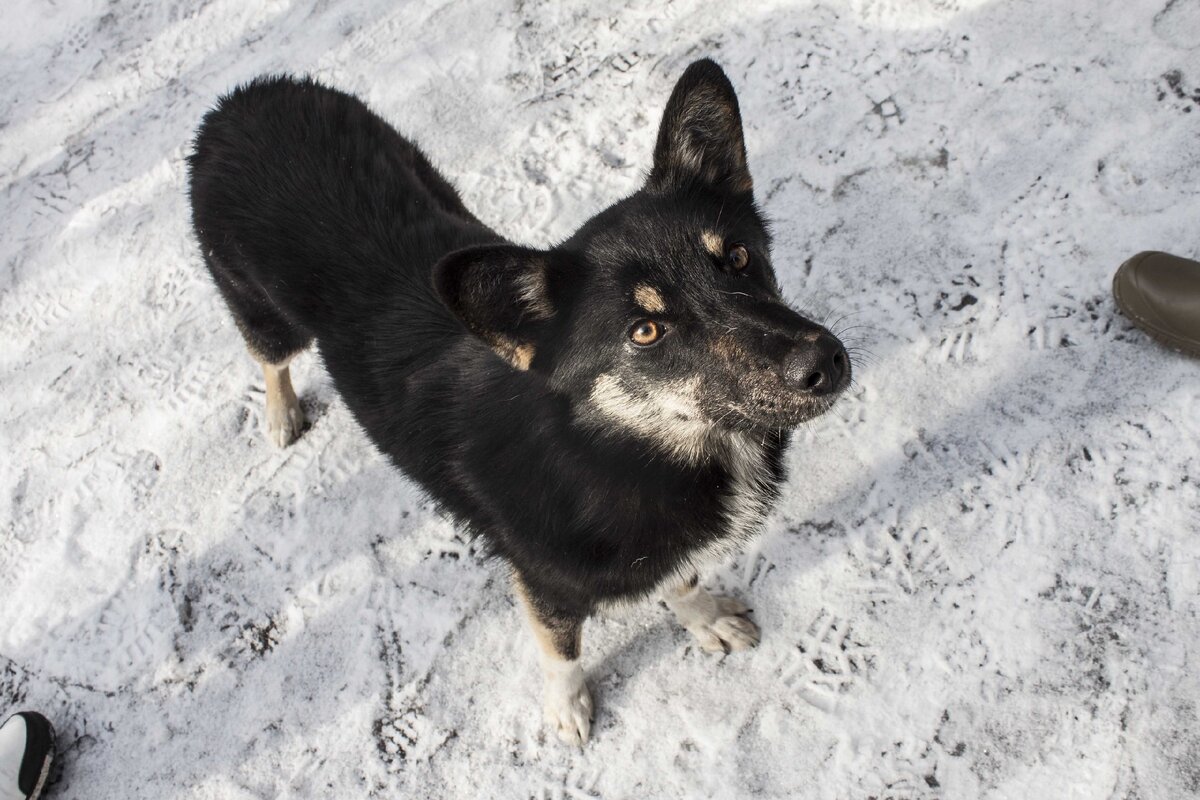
501	293
700	138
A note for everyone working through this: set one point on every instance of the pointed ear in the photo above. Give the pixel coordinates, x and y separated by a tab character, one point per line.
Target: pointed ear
500	292
700	138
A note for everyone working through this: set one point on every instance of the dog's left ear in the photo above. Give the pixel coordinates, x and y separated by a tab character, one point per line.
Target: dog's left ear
700	138
501	293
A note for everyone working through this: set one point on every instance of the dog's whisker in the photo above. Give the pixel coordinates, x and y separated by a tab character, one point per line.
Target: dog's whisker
840	331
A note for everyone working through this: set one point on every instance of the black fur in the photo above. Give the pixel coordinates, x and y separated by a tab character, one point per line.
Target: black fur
474	364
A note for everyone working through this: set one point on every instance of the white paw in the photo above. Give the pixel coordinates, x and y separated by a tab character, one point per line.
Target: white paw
719	624
726	634
568	707
285	421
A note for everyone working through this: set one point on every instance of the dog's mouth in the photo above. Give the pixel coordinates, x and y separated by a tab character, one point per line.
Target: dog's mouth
768	415
774	407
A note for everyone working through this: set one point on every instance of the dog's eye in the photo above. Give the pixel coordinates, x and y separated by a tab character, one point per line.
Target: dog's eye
738	257
645	332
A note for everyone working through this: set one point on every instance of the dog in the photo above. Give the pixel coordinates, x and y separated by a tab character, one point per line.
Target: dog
606	416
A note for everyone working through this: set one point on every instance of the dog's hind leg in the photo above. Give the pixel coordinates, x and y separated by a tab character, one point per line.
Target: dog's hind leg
285	418
273	341
718	623
567	702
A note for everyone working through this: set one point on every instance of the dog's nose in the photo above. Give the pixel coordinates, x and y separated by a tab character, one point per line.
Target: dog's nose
817	367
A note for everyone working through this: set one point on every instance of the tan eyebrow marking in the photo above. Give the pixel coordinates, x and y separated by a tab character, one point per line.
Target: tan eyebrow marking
649	298
713	243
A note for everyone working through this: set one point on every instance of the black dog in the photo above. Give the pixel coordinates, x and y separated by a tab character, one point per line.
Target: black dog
606	415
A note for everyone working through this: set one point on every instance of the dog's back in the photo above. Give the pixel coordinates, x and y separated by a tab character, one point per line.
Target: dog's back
317	220
302	193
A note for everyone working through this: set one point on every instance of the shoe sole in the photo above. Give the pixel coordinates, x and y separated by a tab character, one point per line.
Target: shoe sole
40	735
41	782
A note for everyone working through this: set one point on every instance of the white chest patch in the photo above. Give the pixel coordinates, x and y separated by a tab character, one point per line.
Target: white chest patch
748	502
746	505
669	417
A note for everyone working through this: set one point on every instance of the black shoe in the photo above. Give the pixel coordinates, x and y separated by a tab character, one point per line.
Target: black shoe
26	751
1160	293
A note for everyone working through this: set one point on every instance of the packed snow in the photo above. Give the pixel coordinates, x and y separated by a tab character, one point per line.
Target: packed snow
983	579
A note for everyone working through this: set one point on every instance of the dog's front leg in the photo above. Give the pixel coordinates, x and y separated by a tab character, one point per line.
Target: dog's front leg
718	622
567	701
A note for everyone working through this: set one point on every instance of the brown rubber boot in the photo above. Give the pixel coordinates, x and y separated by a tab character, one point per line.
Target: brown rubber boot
1160	293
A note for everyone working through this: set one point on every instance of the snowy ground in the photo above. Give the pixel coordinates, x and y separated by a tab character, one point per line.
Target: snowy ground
983	580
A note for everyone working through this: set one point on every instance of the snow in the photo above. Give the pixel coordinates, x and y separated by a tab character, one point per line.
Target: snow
983	578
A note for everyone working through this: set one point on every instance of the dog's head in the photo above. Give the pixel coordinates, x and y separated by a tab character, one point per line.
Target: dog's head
662	314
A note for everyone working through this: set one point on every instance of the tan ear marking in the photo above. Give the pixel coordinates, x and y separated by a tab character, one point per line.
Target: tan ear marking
713	243
649	299
743	184
523	356
519	354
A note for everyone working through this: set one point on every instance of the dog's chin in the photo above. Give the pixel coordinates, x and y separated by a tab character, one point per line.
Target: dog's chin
776	414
